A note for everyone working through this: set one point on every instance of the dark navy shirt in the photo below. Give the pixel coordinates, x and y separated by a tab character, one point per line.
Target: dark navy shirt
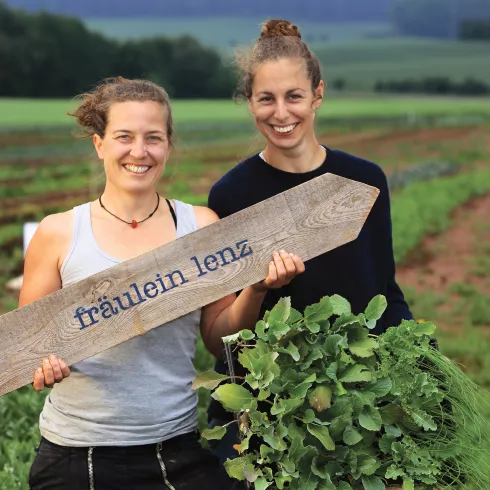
358	270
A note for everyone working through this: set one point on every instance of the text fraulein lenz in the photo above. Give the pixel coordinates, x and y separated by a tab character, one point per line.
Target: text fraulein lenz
138	294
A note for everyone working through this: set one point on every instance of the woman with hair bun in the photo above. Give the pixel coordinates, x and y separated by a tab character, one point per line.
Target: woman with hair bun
282	84
127	417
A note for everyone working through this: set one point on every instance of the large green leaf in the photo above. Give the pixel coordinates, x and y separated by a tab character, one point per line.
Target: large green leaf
356	374
363	348
278	330
322	434
320	398
215	433
274	436
372	483
247	334
351	435
291	349
340	305
424	328
208	379
408	484
376	308
382	387
282	406
234	467
370	418
343	486
233	397
280	312
320	311
262	484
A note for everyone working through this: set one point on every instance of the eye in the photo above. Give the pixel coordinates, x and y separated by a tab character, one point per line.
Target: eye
265	99
295	96
123	137
154	139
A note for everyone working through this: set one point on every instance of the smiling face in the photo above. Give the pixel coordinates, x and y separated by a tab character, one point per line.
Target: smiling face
135	146
284	103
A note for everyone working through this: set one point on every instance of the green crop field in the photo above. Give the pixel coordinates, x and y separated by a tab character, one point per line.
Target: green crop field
238	30
48	112
363	62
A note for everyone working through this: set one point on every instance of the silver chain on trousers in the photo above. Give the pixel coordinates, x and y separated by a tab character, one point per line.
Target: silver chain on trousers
91	469
163	467
160	460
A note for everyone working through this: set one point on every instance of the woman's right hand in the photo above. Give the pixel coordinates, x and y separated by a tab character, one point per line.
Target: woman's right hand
53	370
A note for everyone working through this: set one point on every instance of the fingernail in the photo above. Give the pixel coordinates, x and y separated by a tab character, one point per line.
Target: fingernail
62	363
46	361
291	254
283	251
39	371
52	357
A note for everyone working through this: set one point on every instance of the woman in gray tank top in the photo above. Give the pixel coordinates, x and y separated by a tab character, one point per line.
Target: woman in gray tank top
127	418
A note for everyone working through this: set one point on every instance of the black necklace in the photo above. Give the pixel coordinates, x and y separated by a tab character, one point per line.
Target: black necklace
132	223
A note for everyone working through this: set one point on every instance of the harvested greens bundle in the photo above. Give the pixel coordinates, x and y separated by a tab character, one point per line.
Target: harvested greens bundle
326	405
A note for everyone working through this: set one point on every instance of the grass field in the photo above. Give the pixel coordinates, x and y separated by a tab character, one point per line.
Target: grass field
53	112
363	62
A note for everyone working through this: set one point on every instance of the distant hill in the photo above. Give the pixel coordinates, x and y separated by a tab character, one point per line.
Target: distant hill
319	10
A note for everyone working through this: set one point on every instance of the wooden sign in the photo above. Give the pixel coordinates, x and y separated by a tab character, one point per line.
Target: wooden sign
133	297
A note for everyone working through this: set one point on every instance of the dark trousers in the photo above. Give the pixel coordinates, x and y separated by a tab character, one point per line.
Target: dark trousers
179	463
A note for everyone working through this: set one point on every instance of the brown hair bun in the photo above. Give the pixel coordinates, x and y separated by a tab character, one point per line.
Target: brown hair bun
277	28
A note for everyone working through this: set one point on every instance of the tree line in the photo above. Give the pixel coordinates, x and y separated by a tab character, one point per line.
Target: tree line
434	85
47	55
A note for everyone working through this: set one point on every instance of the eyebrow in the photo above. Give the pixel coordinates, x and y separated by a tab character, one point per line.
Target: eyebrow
265	92
156	131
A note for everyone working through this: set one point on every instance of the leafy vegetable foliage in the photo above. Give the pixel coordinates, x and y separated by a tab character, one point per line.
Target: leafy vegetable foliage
326	405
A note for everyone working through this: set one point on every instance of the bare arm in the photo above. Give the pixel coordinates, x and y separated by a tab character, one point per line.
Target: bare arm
43	260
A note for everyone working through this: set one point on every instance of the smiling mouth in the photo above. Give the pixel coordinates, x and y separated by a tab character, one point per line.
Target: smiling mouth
136	169
284	129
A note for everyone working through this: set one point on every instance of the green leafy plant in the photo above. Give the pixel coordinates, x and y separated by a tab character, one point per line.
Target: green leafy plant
327	405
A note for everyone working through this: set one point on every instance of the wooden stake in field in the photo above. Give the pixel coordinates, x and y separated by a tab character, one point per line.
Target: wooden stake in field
140	294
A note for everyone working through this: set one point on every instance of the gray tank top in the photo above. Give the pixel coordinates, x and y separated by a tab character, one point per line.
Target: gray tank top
138	392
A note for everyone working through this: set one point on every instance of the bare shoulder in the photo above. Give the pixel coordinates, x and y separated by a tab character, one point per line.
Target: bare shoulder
53	236
204	216
44	257
57	226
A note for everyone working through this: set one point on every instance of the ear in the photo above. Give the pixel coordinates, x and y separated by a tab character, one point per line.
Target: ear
169	150
319	95
99	146
250	106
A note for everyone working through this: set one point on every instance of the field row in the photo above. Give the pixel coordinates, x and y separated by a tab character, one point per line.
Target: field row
34	113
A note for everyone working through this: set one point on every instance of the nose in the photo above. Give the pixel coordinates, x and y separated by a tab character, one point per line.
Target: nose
138	149
281	112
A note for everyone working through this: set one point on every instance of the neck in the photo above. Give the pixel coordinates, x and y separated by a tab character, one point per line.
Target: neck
128	205
305	157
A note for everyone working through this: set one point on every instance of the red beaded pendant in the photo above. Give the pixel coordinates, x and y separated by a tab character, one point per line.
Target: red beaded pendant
134	224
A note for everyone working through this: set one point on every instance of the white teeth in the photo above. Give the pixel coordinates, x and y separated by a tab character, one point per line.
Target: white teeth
284	129
137	169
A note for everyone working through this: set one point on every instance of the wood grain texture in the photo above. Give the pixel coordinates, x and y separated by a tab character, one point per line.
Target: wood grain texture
310	219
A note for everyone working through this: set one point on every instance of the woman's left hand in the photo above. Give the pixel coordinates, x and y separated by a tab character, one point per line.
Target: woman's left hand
283	268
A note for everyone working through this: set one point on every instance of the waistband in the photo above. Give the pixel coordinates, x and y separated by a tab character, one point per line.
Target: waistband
174	442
